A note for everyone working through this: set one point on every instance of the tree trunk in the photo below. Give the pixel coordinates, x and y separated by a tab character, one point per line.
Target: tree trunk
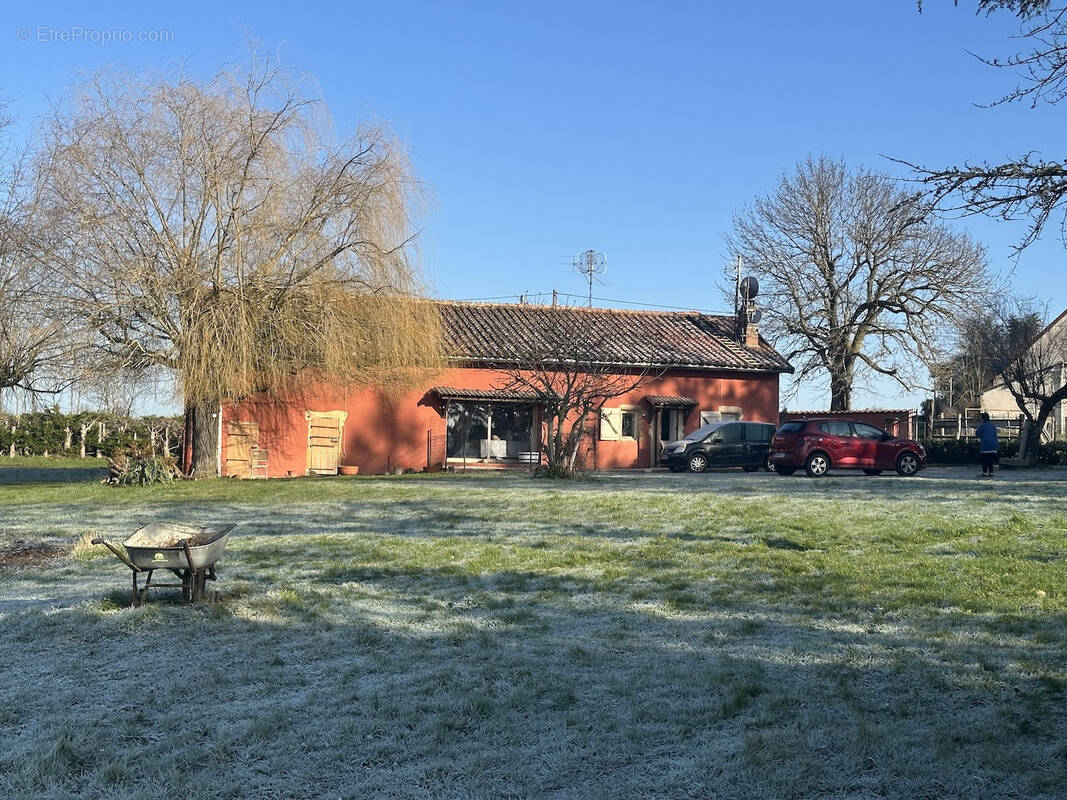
204	441
840	393
1033	441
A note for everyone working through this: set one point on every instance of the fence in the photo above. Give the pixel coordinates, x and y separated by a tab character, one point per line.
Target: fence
962	426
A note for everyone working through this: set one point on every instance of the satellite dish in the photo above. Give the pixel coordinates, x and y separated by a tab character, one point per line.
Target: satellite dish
756	317
749	287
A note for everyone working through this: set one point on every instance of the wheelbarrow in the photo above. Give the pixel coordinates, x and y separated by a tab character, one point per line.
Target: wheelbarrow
188	551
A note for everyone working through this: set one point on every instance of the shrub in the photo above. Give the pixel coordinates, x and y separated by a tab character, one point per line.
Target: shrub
135	467
1052	453
962	451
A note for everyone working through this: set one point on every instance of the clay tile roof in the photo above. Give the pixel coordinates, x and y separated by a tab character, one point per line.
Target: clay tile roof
499	395
671	401
502	333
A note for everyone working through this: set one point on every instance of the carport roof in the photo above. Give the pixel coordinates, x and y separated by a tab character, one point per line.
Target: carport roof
671	401
485	395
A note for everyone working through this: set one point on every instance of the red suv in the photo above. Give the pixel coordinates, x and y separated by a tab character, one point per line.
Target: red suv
818	445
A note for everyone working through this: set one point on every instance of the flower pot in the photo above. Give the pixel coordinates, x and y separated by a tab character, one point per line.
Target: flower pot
349	470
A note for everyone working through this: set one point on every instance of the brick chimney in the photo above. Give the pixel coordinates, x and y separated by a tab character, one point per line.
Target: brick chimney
751	331
752	335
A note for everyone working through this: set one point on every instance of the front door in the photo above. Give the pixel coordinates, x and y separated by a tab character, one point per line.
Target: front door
241	437
671	421
324	441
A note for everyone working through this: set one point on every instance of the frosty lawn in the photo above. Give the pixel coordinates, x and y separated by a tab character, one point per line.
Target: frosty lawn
720	635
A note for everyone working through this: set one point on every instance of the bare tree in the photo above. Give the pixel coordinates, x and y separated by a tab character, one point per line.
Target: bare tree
35	337
1028	359
969	369
562	367
855	276
219	230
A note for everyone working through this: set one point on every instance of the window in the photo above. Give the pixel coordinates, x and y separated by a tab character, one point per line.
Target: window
865	431
480	430
791	427
707	417
729	433
758	432
836	428
617	423
730	413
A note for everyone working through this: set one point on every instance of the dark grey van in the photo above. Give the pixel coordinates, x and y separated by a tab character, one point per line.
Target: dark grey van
720	444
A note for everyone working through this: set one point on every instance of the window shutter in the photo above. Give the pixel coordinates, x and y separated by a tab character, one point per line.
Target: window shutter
610	424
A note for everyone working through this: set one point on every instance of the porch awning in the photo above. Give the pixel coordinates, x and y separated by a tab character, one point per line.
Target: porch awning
485	395
671	401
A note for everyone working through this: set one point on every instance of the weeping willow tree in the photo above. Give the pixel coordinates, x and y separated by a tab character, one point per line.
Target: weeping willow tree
222	231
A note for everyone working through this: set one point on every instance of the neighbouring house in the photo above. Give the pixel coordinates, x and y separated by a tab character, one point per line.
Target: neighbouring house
1000	404
695	368
899	422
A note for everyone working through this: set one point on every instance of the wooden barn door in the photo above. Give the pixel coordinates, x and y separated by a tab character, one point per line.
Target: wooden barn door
241	437
325	431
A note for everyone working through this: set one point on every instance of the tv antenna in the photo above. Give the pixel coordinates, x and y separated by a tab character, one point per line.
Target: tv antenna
590	263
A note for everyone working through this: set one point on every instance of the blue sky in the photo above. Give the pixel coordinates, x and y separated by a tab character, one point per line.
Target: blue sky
635	129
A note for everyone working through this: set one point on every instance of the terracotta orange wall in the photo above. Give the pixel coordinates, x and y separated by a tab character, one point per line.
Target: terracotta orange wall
381	434
756	394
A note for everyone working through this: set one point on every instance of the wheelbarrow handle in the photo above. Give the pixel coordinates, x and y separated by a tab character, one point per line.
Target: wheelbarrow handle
125	559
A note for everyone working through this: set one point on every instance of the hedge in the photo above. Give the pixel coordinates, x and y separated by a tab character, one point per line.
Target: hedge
47	432
965	451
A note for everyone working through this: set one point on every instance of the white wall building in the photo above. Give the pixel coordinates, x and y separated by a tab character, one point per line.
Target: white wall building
999	403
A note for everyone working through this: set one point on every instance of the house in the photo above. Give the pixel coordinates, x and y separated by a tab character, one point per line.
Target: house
694	368
1048	351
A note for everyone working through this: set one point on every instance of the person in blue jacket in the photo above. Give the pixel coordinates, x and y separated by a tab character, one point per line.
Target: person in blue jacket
987	445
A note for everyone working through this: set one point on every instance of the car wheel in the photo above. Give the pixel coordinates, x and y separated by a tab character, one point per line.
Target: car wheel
872	472
750	467
698	463
784	470
817	465
907	464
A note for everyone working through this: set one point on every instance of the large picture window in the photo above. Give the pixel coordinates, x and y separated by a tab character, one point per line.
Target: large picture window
496	431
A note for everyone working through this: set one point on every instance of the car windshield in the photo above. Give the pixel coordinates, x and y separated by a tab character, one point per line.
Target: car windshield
791	427
703	433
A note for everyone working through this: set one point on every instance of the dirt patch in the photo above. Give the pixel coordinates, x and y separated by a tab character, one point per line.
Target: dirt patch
29	554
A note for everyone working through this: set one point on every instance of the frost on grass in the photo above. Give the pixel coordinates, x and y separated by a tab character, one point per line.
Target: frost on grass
730	637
